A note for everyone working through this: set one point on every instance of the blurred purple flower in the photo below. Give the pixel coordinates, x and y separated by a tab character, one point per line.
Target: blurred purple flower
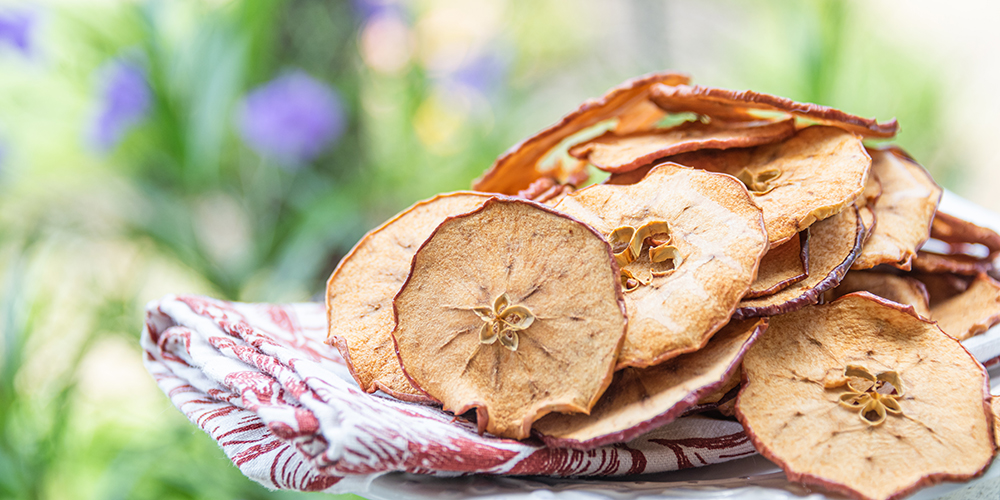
482	74
125	98
367	9
292	118
17	28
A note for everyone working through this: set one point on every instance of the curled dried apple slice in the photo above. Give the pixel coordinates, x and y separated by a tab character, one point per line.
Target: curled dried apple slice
522	164
899	289
941	286
807	177
675	306
966	265
612	152
641	399
782	267
833	245
514	310
734	105
958	232
971	312
360	291
865	398
903	212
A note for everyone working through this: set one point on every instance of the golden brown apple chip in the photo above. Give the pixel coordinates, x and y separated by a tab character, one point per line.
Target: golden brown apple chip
865	398
971	312
641	399
996	419
741	106
641	116
903	212
868	220
522	164
514	310
958	232
360	291
613	152
833	245
807	177
899	289
966	265
782	266
710	236
872	192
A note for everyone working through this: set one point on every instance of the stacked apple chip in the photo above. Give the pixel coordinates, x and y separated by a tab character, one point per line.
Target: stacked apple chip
588	316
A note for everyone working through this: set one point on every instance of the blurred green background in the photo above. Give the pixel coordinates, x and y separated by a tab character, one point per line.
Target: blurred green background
239	148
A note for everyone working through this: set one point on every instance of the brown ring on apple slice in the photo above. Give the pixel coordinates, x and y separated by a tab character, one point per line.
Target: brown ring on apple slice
902	290
810	176
359	293
521	165
734	105
719	238
513	310
971	312
936	425
903	212
782	267
616	153
642	399
833	245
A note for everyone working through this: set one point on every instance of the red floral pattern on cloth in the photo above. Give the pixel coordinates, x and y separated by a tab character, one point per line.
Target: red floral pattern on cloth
284	408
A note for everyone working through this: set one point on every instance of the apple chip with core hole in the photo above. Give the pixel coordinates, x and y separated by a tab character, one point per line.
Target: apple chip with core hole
782	267
734	105
359	293
833	245
522	164
641	399
865	398
903	212
689	243
899	289
807	177
620	153
971	312
514	310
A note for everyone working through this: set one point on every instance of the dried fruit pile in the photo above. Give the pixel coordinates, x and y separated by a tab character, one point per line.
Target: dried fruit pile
746	255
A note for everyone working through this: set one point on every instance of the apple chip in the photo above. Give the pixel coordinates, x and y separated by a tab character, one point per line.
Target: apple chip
523	164
514	310
865	398
868	220
899	289
996	419
613	152
733	105
966	265
807	177
903	212
782	267
959	233
971	312
689	243
641	399
833	245
639	117
360	291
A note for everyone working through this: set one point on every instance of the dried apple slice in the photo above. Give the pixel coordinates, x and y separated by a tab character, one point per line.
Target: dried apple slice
966	265
359	293
733	105
717	234
833	245
514	310
865	398
641	399
958	232
807	177
782	267
613	152
522	164
903	212
899	289
971	312
996	419
941	286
